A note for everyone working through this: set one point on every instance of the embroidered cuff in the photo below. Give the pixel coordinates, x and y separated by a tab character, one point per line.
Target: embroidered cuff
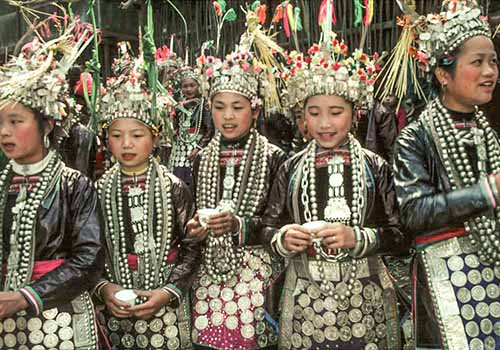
98	288
487	192
239	237
174	291
36	303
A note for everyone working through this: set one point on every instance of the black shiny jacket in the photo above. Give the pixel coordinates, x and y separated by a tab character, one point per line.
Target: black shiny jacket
189	256
69	227
381	213
79	149
275	158
426	200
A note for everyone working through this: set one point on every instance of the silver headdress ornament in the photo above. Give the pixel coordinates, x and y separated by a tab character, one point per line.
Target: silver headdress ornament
249	70
128	96
37	76
188	73
428	40
330	70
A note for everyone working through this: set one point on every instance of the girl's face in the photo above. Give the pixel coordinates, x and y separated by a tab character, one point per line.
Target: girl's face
131	142
20	135
232	114
328	119
190	88
475	76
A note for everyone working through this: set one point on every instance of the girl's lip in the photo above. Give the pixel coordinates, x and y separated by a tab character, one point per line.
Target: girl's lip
128	156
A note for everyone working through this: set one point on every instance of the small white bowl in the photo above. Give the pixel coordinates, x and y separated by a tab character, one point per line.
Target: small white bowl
126	295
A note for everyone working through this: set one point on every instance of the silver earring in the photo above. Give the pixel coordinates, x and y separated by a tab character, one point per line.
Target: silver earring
46	141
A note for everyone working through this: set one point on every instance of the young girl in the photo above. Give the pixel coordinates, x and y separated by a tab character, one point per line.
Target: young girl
51	229
194	129
145	211
447	165
232	175
332	212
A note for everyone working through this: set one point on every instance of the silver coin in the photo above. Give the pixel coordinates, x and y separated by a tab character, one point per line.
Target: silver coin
342	318
156	325
67	345
113	324
472	261
296	340
368	291
244	303
215	305
458	279
257	299
256	286
330	304
38	347
488	274
217	319
356	300
318	321
304	300
22	338
66	333
478	293
307	328
358	330
259	313
50	314
254	262
141	326
486	326
297	312
381	331
369	321
51	340
241	288
490	343
9	325
463	295
247	275
232	282
247	331
496	328
329	318
21	323
308	313
63	319
313	292
213	290
36	336
173	343
495	309
49	326
306	343
160	312
34	324
318	305
10	340
496	269
455	263
246	317
230	308
201	293
379	315
344	304
492	291
171	332
205	281
472	329
476	344
169	318
467	312
474	276
201	322
331	333
482	309
201	307
355	315
227	294
318	336
357	287
157	340
345	334
1	328
297	326
232	322
260	327
367	307
371	346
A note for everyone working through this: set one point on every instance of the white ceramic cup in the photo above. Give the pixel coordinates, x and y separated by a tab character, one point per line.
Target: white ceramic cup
126	295
205	214
314	227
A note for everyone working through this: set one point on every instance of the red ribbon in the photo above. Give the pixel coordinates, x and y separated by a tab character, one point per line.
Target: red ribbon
43	267
171	258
